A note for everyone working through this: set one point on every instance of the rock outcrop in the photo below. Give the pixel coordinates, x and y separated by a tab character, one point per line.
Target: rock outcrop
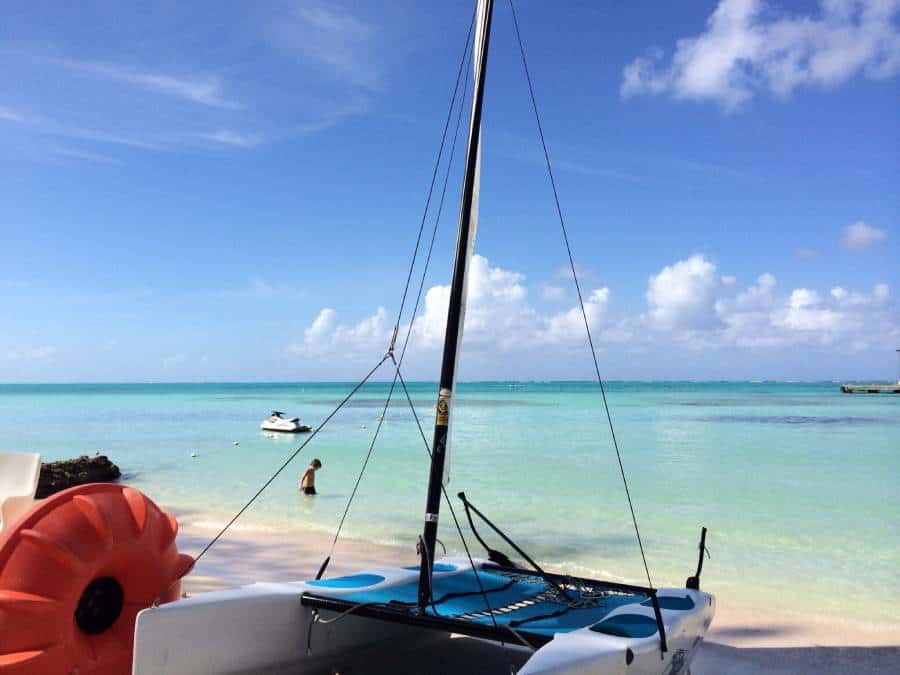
56	476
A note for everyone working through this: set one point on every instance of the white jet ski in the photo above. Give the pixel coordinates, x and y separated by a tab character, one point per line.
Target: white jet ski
278	422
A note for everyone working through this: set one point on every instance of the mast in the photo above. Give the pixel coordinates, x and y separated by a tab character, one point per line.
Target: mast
457	306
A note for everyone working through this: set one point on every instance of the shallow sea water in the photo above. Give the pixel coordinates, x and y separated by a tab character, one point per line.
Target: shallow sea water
797	483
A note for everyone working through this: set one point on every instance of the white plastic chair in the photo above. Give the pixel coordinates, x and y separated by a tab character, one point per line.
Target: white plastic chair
19	474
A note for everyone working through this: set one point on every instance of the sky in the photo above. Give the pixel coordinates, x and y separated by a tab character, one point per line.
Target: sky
207	191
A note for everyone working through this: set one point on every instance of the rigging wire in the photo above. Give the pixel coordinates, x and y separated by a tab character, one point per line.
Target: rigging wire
587	327
440	208
291	458
397	363
437	163
406	343
390	353
459	531
275	475
359	478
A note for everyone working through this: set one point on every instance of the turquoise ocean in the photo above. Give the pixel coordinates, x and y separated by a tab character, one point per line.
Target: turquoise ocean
798	484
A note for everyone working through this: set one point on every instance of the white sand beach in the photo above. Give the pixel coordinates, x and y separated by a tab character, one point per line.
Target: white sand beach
742	640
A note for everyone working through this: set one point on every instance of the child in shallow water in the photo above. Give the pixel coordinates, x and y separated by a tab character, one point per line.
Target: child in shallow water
307	483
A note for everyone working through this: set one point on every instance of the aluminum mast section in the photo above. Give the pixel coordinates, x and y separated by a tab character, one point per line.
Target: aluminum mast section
457	306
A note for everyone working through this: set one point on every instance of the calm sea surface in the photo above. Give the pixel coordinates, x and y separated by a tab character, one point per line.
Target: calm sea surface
798	484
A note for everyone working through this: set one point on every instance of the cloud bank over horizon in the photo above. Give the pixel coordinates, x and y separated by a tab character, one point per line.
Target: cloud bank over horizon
690	307
690	311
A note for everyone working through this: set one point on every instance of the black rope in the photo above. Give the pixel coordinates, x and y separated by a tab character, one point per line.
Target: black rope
471	507
493	555
278	472
406	340
454	595
291	458
587	327
362	471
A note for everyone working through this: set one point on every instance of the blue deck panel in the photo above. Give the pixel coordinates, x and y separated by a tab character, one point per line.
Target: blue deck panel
503	591
352	581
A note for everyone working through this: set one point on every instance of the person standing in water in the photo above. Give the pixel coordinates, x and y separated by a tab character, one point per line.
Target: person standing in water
308	480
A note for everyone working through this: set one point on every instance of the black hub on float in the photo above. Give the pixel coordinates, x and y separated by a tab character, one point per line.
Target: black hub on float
100	605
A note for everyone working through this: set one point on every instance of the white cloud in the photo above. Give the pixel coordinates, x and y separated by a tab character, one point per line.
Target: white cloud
326	335
321	327
584	274
568	326
44	125
85	155
173	361
758	296
42	353
497	311
336	40
499	316
682	295
860	236
552	293
687	303
881	295
804	312
206	91
748	47
234	138
8	114
849	319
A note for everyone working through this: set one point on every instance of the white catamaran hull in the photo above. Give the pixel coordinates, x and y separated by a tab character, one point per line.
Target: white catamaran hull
268	628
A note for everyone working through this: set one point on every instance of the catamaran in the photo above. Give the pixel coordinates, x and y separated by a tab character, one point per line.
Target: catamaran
565	624
102	553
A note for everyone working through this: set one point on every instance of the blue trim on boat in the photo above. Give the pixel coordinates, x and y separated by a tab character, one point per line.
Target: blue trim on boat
672	602
352	581
438	567
501	591
627	626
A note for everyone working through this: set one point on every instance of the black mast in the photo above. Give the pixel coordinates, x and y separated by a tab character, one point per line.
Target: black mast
456	310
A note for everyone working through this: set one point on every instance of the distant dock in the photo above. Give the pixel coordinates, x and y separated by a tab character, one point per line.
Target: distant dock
875	388
871	388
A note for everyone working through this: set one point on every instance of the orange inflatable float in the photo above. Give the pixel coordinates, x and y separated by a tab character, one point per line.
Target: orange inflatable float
74	572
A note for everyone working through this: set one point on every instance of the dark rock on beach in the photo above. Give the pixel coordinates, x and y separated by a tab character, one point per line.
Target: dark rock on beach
56	476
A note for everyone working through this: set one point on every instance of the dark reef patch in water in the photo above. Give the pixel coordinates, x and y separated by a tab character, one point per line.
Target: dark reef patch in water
795	419
747	402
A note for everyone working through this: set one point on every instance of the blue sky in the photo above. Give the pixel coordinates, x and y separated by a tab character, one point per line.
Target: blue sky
198	191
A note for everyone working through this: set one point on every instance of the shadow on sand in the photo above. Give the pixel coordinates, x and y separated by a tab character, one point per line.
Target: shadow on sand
715	658
445	655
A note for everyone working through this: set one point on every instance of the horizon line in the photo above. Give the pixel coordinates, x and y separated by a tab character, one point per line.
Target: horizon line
435	381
